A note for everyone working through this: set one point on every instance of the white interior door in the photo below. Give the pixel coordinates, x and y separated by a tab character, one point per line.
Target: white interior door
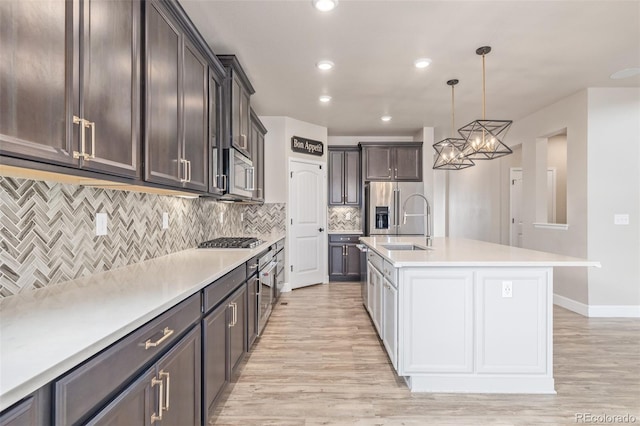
308	223
515	205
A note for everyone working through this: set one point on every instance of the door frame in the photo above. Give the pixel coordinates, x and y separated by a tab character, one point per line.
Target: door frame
290	285
512	235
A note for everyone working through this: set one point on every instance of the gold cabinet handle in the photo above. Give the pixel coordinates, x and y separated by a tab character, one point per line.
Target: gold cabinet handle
81	122
158	417
189	168
166	389
235	313
166	333
91	124
243	138
231	324
183	171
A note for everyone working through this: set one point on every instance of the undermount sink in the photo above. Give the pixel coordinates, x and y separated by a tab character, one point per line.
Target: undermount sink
405	247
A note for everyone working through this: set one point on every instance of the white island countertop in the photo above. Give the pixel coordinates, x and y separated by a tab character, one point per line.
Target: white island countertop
45	333
462	252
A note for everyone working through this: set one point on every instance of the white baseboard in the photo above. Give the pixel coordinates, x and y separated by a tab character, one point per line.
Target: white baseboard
570	304
597	311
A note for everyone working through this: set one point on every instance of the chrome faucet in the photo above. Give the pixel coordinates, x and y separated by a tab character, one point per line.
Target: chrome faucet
427	227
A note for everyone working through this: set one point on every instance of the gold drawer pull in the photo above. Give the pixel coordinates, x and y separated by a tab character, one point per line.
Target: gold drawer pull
155	417
166	333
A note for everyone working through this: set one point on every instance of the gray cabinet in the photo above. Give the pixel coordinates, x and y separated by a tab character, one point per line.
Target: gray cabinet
217	182
65	100
32	410
344	258
236	114
257	148
224	332
176	125
344	176
392	161
168	393
253	287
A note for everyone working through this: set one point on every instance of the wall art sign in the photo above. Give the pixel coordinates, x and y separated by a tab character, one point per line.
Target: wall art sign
307	146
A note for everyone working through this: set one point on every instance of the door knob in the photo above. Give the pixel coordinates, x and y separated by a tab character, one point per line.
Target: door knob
321	229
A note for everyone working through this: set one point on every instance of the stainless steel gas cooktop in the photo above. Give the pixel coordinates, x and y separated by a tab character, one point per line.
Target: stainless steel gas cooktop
231	242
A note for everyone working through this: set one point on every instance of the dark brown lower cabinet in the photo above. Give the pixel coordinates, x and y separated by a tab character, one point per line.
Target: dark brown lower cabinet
252	310
225	340
344	258
168	393
32	410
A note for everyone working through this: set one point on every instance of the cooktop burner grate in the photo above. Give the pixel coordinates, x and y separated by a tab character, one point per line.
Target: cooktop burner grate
231	242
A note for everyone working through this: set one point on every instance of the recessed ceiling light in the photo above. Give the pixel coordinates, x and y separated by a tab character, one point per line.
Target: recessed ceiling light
325	98
625	73
325	5
385	118
325	65
422	62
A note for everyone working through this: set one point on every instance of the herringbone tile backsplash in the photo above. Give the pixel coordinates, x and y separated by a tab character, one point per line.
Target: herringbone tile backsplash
47	230
338	218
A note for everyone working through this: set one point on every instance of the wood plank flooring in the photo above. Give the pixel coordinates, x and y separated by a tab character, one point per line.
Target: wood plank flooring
320	362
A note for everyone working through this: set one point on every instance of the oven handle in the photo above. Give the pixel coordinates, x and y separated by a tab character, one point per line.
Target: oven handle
267	272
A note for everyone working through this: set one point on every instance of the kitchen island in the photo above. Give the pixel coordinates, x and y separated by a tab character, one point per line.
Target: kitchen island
464	315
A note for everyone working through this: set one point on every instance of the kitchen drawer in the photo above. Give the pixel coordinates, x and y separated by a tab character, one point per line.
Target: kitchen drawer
389	272
280	245
252	265
216	292
90	385
343	238
375	259
280	260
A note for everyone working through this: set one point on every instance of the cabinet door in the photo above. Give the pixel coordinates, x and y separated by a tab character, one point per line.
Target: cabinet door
239	117
179	369
35	83
214	362
244	123
216	181
407	163
134	406
258	163
376	313
389	320
237	327
162	136
352	178
378	163
336	260
336	178
194	118
252	310
110	89
352	261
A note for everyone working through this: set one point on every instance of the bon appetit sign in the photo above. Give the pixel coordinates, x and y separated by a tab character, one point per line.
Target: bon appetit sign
307	146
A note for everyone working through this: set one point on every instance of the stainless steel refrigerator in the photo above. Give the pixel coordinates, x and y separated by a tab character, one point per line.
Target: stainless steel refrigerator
384	215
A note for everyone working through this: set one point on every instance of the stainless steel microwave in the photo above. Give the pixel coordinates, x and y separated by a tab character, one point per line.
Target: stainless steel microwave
241	175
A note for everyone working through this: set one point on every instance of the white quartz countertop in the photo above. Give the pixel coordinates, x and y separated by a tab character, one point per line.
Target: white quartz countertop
46	332
462	252
345	232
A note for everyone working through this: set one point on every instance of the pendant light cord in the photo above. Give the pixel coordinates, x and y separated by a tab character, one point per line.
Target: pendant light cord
453	111
483	89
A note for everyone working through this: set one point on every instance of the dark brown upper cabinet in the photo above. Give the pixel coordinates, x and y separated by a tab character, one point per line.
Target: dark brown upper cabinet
71	89
236	116
392	161
257	148
217	180
344	176
177	99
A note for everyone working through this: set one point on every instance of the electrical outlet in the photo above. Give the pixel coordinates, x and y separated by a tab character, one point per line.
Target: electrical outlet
221	217
101	223
165	220
347	216
620	219
241	217
507	289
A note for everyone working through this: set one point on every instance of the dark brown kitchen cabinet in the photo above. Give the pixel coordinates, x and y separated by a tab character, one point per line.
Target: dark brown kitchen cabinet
392	161
224	333
344	176
257	148
344	258
65	99
168	393
217	180
236	116
32	410
176	136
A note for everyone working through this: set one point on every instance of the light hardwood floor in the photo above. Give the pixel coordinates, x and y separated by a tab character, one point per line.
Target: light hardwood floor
320	362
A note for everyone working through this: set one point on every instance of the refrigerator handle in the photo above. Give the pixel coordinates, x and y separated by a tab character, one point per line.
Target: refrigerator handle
397	207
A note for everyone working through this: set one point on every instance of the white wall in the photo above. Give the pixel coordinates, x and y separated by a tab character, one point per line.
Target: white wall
557	159
614	188
353	140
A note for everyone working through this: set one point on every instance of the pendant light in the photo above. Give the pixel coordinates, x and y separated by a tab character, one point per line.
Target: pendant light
450	150
483	138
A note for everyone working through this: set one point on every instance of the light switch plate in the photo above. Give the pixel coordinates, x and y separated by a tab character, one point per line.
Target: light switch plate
101	223
348	216
165	220
620	219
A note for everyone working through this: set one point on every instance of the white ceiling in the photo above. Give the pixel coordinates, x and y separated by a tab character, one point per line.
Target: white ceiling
542	52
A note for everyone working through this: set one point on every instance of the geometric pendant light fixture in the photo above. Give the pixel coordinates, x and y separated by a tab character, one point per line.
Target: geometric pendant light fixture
483	138
450	150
